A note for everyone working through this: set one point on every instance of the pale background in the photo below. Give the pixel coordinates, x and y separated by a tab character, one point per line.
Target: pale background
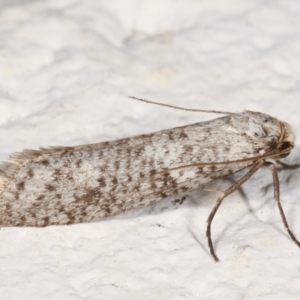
66	69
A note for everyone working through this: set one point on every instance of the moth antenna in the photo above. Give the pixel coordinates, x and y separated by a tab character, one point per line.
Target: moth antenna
254	158
183	108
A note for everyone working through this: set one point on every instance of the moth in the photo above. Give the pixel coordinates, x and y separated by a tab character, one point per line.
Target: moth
67	185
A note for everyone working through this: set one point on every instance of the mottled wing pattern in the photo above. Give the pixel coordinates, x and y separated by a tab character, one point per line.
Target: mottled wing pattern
65	185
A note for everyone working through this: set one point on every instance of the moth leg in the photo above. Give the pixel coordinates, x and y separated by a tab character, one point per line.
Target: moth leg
277	199
212	190
287	166
225	193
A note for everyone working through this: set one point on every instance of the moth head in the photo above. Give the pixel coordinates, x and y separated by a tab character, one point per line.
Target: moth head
266	133
286	142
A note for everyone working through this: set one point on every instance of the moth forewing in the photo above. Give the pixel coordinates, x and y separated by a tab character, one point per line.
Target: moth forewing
67	185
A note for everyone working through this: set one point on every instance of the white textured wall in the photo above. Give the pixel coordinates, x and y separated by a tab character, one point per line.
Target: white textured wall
66	69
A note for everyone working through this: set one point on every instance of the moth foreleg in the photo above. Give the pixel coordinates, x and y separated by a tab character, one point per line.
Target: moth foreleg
287	166
277	198
225	193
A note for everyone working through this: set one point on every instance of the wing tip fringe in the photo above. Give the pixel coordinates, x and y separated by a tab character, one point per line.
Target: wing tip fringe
9	167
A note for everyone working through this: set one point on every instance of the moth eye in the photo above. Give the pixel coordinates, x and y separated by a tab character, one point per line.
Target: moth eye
265	120
256	134
284	146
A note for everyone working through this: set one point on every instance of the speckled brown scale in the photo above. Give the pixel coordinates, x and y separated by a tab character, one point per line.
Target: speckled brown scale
30	173
66	185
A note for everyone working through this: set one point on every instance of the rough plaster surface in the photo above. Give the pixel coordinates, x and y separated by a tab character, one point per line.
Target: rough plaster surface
66	69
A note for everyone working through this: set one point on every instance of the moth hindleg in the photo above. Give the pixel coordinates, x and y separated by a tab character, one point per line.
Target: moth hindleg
277	199
225	193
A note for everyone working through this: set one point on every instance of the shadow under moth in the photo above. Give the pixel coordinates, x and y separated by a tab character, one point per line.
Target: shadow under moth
67	185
